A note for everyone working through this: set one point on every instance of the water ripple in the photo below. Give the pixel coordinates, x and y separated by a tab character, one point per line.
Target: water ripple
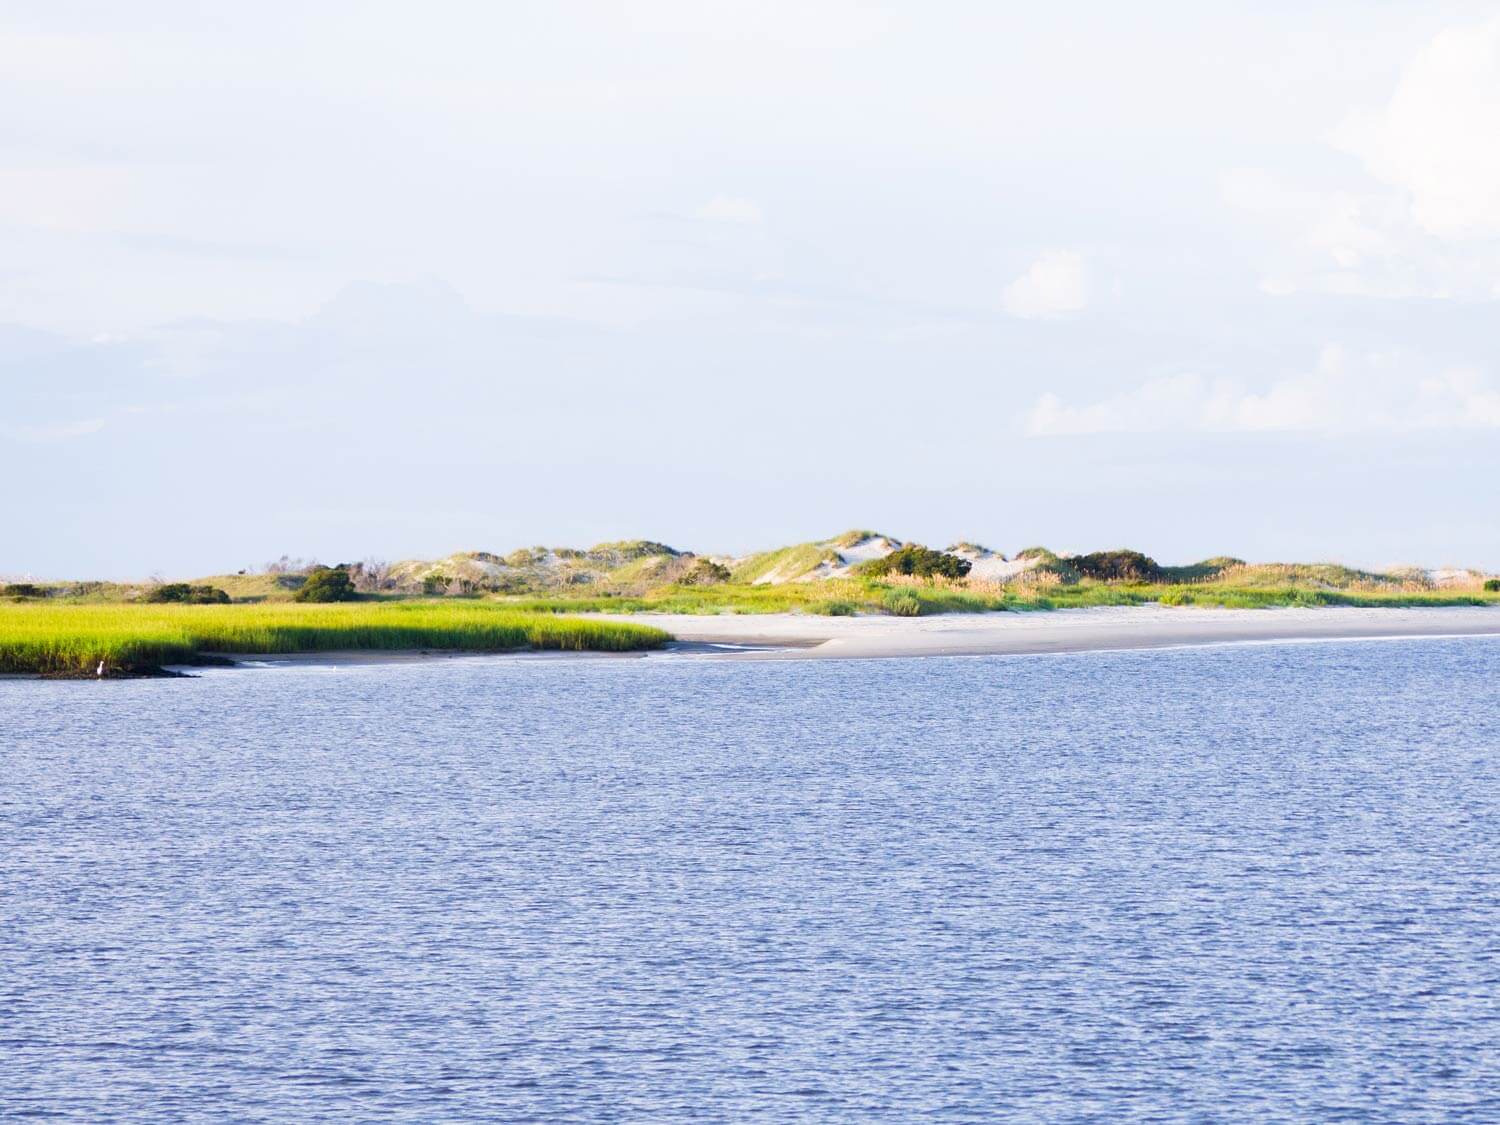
1227	884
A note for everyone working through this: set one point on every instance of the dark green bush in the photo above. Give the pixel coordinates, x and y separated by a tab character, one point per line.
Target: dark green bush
1492	585
327	584
833	608
1116	566
23	590
705	572
184	594
920	562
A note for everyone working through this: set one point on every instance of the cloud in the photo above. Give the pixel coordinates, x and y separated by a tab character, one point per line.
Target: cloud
1423	222
63	431
1054	285
1435	139
1353	243
1342	393
730	209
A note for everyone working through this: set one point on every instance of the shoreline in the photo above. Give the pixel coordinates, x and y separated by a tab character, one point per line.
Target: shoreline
1093	629
790	636
793	636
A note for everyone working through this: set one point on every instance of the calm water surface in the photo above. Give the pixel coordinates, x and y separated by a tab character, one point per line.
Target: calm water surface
1254	883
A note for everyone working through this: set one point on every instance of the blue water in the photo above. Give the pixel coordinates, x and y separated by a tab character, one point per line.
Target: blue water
1256	883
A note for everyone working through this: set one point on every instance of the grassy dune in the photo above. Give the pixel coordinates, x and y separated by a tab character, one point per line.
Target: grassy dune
40	638
786	564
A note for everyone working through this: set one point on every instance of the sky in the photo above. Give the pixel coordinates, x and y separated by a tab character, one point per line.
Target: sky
354	280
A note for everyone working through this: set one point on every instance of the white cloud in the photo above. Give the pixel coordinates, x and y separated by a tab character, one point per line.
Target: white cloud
1436	138
1054	285
730	209
1423	222
1351	243
64	431
1374	391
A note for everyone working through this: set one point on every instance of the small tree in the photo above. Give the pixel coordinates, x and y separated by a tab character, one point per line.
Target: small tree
919	562
1492	585
327	584
705	572
1116	566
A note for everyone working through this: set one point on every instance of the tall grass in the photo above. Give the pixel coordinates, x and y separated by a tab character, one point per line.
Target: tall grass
1262	597
75	638
726	598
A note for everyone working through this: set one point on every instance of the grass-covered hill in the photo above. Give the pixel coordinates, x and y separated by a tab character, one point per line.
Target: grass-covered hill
488	601
850	572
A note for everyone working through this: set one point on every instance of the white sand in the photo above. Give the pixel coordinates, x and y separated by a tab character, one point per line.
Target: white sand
1068	630
996	568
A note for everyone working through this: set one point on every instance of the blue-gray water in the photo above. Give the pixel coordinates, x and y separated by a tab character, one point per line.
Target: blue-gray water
1253	883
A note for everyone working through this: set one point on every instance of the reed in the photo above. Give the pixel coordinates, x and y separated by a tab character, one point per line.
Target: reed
64	639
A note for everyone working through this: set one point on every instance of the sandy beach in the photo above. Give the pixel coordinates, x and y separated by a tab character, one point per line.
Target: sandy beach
785	636
790	636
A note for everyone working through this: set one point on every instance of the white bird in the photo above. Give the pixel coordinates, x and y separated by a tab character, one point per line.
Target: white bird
99	671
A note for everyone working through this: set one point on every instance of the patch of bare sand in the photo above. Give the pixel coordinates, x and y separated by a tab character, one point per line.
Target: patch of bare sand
797	636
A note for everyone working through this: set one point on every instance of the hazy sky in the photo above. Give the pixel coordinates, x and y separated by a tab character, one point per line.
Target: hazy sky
358	279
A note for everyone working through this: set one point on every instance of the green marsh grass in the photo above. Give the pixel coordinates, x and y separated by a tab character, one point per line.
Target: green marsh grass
75	638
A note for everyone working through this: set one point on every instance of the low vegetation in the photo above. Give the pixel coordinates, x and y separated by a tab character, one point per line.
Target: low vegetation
1116	566
902	603
74	639
628	549
834	577
183	593
854	537
784	565
917	562
327	584
705	572
832	607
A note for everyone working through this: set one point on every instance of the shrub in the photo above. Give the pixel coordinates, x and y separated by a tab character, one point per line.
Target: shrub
832	608
705	572
327	584
434	584
1116	566
1492	585
23	590
184	594
920	562
903	603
